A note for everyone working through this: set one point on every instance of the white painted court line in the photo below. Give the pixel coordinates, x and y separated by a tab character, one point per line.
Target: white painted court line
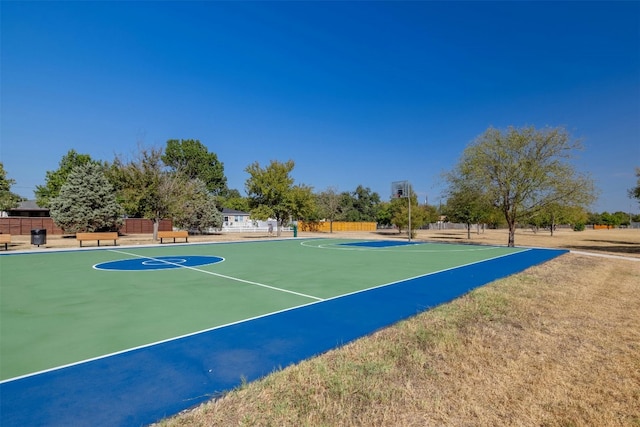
223	276
606	255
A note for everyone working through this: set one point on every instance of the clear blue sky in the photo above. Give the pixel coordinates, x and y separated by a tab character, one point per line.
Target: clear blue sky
356	93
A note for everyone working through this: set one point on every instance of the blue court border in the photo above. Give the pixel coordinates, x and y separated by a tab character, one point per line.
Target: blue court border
142	386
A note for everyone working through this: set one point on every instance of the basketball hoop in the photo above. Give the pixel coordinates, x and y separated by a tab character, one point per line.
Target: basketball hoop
399	189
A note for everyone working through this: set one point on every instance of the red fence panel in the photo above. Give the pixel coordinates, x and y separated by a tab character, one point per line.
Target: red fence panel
23	225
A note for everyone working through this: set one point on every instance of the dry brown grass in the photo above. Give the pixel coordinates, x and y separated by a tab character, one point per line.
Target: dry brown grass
556	345
618	241
625	242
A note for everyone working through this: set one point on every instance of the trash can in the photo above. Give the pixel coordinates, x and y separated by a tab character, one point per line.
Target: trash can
295	230
39	236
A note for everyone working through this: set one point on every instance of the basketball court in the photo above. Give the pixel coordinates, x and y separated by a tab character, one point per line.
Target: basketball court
129	335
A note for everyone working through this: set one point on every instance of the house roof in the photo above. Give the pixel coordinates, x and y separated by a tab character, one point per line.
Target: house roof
234	212
28	205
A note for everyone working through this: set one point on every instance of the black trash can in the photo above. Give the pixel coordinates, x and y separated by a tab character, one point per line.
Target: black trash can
39	236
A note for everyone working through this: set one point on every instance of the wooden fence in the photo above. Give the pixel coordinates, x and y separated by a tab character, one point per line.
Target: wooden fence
326	226
144	226
23	226
603	227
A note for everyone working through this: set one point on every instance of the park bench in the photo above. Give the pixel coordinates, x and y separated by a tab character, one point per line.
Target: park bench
6	239
181	234
111	235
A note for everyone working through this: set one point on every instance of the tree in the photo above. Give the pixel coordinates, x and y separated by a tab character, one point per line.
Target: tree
233	200
150	189
431	213
634	192
196	210
621	218
594	218
146	188
86	202
555	213
271	193
467	205
191	157
400	209
56	179
329	205
385	214
302	203
524	170
360	205
8	200
609	219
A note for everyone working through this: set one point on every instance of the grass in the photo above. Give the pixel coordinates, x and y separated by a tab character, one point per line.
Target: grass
556	345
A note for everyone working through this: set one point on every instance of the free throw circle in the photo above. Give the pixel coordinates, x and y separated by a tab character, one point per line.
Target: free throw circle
158	263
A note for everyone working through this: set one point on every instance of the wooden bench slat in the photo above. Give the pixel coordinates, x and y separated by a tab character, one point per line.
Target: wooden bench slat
81	237
6	239
183	234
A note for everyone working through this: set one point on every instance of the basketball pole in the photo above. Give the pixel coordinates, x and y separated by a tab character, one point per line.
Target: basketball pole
402	189
409	196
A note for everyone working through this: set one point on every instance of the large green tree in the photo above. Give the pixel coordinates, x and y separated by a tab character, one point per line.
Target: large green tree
303	203
196	209
272	194
385	214
86	202
191	158
362	204
524	170
8	200
233	200
54	180
467	205
146	188
328	202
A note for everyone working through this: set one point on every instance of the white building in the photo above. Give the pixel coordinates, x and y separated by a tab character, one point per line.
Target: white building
238	221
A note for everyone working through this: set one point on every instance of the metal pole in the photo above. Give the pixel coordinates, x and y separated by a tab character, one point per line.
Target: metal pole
409	193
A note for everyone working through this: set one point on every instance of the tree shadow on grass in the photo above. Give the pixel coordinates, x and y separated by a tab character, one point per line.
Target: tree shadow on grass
392	234
615	242
447	237
618	249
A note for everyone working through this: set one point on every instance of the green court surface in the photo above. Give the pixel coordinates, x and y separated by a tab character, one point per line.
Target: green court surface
57	309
